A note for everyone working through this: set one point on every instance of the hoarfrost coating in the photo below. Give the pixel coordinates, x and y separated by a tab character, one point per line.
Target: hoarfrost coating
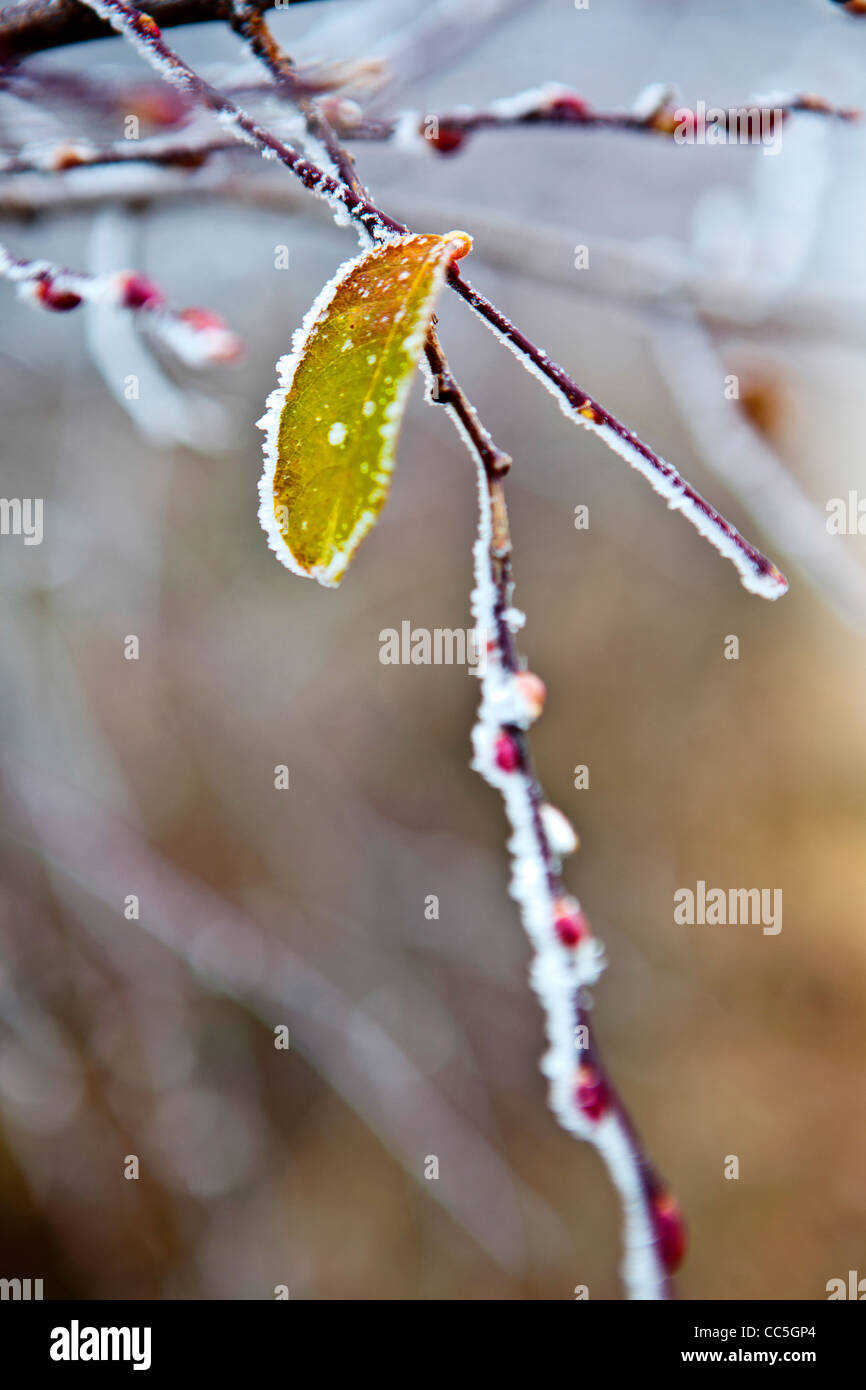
453	245
557	973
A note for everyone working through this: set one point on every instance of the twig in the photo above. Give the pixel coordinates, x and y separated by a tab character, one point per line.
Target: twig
555	105
147	38
37	25
58	157
107	98
582	1095
247	21
446	133
587	1103
374	1076
196	335
567	957
757	573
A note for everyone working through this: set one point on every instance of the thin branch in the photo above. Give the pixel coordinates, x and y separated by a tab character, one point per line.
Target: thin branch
555	105
567	957
757	573
592	1109
445	133
247	20
373	1075
38	25
145	35
59	157
37	84
195	335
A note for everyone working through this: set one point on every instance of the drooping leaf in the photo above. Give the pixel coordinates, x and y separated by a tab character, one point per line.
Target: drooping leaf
333	421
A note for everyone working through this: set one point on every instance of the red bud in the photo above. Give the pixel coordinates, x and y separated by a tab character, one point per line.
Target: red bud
570	104
58	300
591	1092
448	139
572	928
507	753
670	1230
140	293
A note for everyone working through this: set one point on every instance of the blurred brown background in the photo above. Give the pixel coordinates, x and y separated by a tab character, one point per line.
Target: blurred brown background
412	1037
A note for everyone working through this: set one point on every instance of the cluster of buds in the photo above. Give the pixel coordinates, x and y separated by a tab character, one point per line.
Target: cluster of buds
48	287
197	336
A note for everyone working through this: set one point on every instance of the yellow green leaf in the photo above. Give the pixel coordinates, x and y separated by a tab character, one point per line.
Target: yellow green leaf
332	423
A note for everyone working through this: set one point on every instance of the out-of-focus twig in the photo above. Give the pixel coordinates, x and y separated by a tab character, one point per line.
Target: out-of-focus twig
36	25
555	105
221	944
59	157
197	336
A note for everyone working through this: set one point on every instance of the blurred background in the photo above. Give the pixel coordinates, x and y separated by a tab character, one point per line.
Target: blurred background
413	1037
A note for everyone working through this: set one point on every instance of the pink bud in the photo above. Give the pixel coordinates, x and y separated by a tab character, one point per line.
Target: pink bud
138	292
570	104
200	319
591	1092
158	104
533	692
223	345
60	301
572	928
670	1230
507	753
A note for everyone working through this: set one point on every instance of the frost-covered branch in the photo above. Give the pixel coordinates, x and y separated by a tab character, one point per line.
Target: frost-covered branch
567	956
757	573
444	133
653	113
60	156
146	36
36	25
197	336
247	21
